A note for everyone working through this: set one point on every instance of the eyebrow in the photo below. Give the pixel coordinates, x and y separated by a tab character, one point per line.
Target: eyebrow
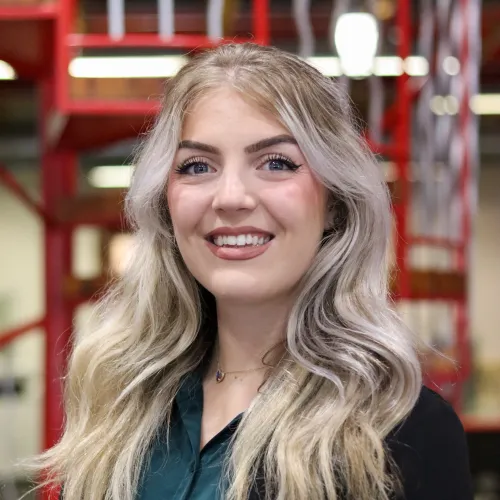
253	148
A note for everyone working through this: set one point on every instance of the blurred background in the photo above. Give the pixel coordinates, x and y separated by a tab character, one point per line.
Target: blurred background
80	81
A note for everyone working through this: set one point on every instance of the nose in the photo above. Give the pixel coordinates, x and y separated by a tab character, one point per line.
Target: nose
233	192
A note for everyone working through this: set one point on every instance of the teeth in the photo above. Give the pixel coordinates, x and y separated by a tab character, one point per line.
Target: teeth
240	240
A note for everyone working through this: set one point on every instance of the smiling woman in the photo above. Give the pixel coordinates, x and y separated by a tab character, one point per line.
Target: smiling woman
250	349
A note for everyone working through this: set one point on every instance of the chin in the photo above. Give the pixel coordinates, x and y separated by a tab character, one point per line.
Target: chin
236	286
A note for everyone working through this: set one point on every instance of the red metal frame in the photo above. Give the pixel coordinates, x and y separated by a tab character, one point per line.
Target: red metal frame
402	137
35	12
9	336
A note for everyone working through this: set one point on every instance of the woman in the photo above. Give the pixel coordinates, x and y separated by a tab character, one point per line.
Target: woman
250	349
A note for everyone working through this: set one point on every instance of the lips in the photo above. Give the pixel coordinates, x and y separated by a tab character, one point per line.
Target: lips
239	243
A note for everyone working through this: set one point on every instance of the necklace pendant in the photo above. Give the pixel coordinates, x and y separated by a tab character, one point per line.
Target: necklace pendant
219	376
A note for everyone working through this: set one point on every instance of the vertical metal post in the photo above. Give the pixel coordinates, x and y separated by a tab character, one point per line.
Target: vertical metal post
166	18
215	19
64	26
58	180
401	138
116	19
261	25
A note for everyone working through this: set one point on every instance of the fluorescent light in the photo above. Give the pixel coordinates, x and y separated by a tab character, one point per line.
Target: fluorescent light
328	66
451	65
382	66
416	66
485	104
437	105
118	176
356	40
168	66
7	71
388	66
126	67
451	105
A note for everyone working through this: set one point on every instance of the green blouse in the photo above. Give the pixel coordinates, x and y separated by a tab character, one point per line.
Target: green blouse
428	447
180	471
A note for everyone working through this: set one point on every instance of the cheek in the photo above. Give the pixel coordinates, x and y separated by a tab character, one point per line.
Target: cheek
299	205
184	205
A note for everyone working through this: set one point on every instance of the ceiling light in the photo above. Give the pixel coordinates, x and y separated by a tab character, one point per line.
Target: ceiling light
451	65
356	40
451	105
485	104
437	105
7	71
382	66
126	67
328	66
168	66
118	176
416	66
388	66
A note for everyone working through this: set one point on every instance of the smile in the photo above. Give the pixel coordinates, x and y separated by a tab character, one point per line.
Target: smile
243	244
240	240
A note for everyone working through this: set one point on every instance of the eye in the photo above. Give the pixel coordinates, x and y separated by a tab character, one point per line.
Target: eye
194	166
279	163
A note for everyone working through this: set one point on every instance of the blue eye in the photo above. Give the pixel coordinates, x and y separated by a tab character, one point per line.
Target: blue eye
279	163
193	168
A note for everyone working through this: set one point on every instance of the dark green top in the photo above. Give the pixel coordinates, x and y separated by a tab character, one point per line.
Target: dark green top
182	472
429	449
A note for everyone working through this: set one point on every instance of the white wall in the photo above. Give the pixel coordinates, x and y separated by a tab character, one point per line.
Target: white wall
485	276
22	301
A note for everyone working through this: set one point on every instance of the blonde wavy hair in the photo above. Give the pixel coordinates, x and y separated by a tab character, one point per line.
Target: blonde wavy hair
352	370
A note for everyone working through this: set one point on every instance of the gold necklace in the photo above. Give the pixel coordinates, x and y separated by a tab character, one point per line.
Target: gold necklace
221	375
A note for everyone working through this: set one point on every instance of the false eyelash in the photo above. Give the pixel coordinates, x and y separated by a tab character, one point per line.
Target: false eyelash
287	161
181	169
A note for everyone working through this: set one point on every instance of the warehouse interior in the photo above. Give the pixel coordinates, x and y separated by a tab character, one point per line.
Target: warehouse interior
80	83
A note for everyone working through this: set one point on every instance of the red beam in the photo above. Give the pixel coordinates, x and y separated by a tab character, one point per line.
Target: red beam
43	11
115	108
438	242
8	180
9	336
147	40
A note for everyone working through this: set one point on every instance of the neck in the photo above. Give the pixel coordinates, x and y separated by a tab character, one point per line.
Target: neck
246	333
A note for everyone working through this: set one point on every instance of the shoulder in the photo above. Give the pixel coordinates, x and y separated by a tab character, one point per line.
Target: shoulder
430	450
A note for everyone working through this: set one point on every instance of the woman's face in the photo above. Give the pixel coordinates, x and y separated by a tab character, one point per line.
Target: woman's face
247	213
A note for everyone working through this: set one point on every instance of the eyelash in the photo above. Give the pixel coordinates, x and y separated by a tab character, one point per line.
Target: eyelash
190	162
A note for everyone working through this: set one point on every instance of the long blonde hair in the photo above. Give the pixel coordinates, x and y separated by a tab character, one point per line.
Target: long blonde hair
352	371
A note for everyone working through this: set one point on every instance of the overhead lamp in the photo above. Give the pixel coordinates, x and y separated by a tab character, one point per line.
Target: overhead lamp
328	66
356	40
168	66
485	104
451	105
7	71
126	67
481	104
451	65
382	65
118	176
416	66
388	66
